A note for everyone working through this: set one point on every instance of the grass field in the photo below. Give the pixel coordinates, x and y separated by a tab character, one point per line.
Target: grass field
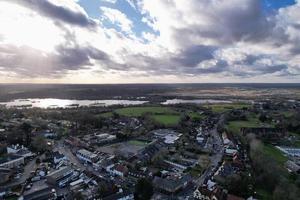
167	119
139	111
219	108
196	115
251	122
275	153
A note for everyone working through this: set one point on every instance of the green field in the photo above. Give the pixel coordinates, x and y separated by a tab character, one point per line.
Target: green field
219	108
167	120
196	115
275	153
251	122
139	111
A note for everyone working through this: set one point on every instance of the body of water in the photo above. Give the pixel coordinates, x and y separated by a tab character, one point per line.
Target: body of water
67	103
195	101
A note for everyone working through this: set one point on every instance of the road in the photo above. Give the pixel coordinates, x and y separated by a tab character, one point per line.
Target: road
63	149
215	140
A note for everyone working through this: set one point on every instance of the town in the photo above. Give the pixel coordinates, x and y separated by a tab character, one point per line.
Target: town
213	151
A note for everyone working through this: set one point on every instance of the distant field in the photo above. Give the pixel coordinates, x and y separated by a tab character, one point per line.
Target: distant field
218	108
167	120
163	115
139	111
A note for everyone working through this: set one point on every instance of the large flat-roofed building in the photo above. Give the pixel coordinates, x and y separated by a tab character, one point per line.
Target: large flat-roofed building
11	161
86	156
60	177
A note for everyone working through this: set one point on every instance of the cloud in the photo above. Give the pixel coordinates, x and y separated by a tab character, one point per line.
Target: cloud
117	18
192	38
59	11
110	1
29	62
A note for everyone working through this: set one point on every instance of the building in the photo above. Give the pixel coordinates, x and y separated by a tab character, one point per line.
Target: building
230	152
86	156
11	161
119	170
19	150
5	174
120	196
58	157
292	167
293	152
203	193
60	177
169	136
105	138
171	185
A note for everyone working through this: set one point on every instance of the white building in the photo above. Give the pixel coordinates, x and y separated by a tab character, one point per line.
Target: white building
19	150
86	156
294	152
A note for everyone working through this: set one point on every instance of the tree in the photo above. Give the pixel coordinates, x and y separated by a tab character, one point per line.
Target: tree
27	128
143	190
39	143
263	118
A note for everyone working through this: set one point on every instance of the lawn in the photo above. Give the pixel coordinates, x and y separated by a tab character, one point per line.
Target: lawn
275	153
139	111
251	122
196	115
219	108
167	119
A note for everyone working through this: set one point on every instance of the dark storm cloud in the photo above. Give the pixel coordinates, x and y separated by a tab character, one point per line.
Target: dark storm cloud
29	62
55	12
193	55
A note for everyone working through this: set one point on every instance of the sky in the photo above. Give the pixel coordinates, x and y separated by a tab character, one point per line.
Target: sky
149	41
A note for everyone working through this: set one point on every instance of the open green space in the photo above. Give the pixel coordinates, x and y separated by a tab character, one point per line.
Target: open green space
139	111
275	153
196	115
251	122
167	119
219	108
